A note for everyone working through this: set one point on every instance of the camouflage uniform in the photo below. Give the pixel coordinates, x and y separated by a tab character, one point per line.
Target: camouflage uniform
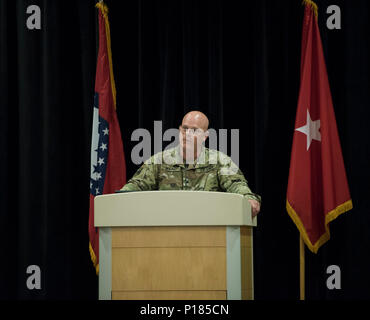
212	171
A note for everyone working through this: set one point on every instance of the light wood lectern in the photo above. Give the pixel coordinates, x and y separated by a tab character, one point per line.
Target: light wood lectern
186	245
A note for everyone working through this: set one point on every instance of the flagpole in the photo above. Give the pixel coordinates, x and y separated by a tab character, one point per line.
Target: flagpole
301	269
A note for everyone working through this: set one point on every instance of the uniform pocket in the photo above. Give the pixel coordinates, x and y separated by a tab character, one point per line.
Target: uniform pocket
170	179
205	178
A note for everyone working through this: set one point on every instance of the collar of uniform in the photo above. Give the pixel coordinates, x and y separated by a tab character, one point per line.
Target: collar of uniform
179	159
201	161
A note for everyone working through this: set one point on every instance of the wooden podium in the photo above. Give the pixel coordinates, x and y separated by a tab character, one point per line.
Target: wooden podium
188	245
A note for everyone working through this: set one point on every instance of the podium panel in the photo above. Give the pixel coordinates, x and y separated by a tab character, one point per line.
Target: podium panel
187	262
169	295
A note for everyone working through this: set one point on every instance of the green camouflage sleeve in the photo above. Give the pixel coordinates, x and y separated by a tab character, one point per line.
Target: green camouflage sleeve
232	180
143	180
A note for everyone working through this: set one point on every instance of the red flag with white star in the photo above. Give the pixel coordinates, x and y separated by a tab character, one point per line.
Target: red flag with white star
317	188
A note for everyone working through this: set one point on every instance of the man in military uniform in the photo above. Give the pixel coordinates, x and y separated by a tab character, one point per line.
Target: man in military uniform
191	166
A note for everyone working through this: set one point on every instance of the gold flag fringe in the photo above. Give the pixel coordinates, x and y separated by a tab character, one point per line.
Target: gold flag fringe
330	216
94	259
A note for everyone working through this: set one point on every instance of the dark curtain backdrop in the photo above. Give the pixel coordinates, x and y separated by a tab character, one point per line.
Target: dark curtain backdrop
237	63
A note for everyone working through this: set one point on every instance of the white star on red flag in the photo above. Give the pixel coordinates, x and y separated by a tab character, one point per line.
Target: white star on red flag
311	130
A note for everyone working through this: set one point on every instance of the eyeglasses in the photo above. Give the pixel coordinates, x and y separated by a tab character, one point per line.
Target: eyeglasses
191	131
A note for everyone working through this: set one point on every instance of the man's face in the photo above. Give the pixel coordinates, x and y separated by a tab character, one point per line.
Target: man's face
191	137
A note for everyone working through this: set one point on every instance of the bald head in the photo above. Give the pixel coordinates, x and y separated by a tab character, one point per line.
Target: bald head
191	143
196	119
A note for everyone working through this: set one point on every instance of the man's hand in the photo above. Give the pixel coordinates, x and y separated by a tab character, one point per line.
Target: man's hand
256	207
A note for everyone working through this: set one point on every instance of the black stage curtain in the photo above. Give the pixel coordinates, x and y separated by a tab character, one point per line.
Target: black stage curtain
238	64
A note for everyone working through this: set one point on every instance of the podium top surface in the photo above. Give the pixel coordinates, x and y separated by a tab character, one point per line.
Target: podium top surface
172	208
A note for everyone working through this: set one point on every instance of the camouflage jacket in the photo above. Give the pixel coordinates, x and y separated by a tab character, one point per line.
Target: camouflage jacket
212	171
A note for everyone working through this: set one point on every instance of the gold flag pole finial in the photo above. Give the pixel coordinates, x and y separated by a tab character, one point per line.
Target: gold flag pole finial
313	6
101	5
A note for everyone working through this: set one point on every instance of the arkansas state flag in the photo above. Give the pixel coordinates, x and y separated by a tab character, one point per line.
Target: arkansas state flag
317	188
108	169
